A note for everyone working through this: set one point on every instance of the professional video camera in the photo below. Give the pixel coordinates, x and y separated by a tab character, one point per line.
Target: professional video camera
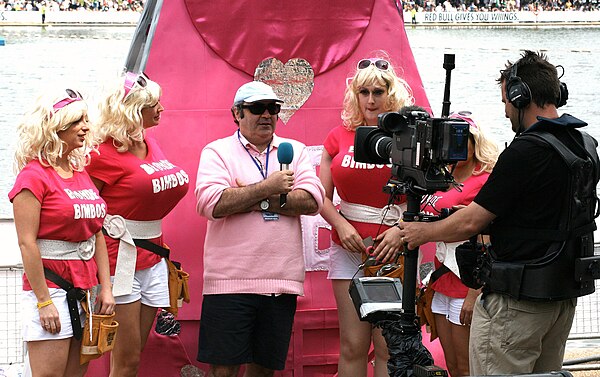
418	146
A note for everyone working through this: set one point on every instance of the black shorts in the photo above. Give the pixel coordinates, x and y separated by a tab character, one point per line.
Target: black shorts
237	329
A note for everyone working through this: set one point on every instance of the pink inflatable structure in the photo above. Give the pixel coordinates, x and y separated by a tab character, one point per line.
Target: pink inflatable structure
202	51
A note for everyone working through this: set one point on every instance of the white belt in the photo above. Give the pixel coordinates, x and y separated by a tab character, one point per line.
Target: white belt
126	230
65	250
387	215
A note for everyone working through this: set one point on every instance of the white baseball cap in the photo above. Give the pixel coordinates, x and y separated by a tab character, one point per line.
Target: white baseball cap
255	91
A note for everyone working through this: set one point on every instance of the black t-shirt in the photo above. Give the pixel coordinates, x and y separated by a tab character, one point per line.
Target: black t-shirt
526	190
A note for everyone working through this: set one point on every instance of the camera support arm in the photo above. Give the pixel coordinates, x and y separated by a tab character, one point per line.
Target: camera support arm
448	66
411	256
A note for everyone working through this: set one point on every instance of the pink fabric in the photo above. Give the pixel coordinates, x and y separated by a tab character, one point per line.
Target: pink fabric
322	32
243	253
137	189
71	210
449	284
198	89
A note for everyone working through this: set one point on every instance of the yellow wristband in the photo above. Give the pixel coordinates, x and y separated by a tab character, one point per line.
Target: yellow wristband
44	304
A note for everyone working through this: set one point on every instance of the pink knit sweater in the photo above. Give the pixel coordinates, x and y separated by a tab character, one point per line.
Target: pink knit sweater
243	253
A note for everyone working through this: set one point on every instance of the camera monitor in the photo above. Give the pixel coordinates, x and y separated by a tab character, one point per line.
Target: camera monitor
374	296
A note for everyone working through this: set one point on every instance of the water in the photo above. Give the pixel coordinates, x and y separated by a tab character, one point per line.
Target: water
482	52
37	56
34	58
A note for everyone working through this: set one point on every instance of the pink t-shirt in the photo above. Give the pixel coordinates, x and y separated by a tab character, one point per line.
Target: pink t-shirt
450	284
71	210
356	182
137	189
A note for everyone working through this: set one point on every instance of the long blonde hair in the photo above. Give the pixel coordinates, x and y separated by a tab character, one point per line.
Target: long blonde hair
120	115
38	132
399	93
486	150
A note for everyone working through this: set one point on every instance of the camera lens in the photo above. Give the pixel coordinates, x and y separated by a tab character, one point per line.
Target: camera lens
382	146
391	122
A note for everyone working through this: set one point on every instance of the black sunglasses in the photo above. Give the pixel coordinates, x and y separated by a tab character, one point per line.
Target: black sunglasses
259	108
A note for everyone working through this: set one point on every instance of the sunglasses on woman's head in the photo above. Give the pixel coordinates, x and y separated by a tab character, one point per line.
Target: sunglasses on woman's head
131	79
72	96
258	108
380	64
466	116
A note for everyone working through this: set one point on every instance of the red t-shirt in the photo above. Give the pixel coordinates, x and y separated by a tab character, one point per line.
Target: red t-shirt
71	210
356	182
450	284
137	189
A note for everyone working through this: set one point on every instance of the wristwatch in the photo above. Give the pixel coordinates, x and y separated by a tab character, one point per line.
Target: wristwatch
264	205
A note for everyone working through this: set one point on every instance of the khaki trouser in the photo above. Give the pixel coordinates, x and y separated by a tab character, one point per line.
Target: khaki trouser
511	336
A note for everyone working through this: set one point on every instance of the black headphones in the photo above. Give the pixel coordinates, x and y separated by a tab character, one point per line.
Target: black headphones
519	94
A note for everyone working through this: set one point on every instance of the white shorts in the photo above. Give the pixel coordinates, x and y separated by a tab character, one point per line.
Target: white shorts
343	264
447	306
30	315
151	285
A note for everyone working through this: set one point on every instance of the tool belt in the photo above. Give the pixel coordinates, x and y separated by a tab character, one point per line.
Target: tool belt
178	278
97	338
99	334
73	296
393	269
424	300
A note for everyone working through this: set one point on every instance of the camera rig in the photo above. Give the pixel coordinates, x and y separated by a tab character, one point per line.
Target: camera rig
418	146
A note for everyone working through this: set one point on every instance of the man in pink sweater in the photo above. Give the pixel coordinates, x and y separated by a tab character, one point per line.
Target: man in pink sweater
253	257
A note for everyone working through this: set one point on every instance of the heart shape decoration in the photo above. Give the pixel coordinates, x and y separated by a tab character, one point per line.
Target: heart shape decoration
293	82
243	33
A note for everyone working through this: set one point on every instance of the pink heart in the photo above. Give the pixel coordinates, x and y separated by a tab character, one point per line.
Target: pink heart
293	82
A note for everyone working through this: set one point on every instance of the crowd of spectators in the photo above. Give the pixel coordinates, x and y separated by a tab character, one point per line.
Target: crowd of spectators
71	5
501	5
418	5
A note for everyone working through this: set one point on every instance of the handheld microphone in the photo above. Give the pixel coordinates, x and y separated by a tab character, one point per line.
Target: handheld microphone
285	155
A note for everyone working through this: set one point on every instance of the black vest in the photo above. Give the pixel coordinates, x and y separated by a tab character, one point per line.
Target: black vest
569	267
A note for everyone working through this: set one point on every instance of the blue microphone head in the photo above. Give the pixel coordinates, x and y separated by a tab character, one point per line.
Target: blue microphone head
285	153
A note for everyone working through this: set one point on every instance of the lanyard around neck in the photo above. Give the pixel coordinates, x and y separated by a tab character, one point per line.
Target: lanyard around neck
259	167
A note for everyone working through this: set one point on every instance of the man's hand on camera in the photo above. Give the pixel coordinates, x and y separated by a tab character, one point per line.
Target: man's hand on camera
414	234
388	245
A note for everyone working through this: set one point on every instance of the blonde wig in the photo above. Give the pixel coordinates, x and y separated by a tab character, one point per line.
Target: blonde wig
39	128
398	91
120	114
486	150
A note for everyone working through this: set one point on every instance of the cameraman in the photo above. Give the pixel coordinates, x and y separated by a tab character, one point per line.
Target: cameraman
526	199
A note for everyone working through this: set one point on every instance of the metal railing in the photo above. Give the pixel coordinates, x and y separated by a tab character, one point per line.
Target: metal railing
11	344
586	324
